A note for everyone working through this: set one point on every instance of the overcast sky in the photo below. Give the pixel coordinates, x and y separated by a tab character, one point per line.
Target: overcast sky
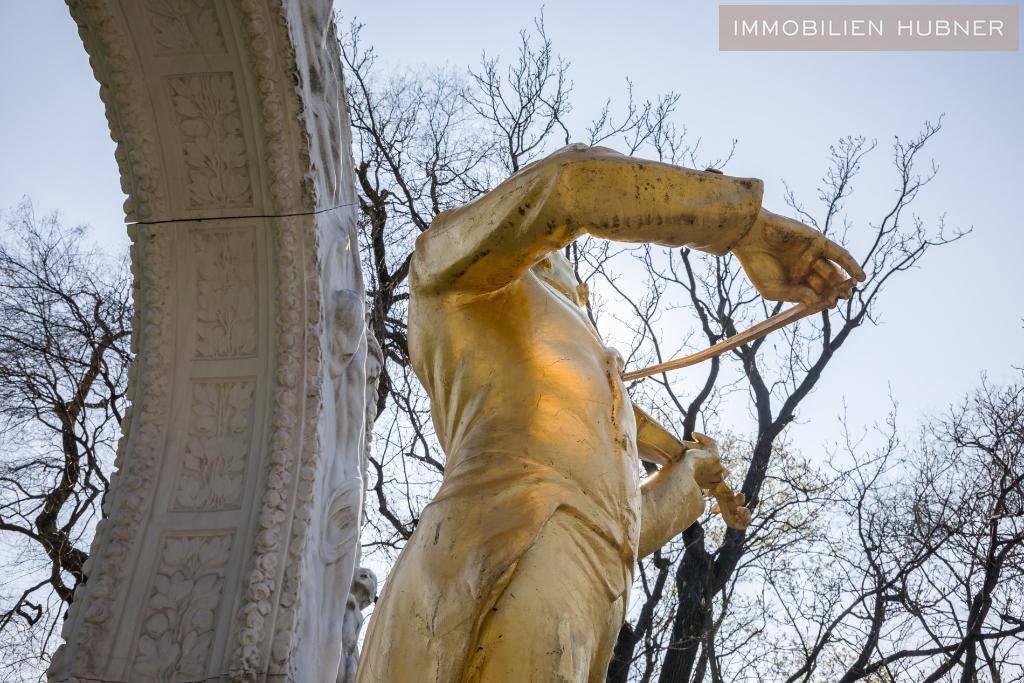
957	317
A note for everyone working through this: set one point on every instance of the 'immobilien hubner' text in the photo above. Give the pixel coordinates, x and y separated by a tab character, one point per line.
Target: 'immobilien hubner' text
861	28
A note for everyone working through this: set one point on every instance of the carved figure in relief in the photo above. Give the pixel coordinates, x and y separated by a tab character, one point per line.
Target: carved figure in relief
362	595
519	568
343	483
347	328
353	364
338	491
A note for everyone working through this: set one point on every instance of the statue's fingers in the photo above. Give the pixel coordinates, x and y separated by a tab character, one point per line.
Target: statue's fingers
838	254
704	440
829	272
799	293
845	288
744	517
714	481
805	264
840	286
707	442
819	284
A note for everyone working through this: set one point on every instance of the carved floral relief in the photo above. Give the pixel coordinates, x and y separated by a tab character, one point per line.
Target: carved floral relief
212	470
185	27
178	626
216	160
225	277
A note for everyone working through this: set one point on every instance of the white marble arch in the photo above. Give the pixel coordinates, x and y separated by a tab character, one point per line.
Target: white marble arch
241	454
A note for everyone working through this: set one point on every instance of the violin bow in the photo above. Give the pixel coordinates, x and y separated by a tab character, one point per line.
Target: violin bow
777	321
727	503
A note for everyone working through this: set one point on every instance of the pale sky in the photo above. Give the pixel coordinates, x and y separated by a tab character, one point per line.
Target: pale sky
960	315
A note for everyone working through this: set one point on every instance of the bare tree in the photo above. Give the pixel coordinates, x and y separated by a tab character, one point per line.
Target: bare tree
926	580
64	351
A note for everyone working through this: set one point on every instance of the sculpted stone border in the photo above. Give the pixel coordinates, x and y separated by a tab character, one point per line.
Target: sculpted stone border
262	582
130	125
228	116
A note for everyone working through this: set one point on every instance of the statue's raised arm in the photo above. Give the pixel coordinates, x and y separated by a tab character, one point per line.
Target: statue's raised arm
493	240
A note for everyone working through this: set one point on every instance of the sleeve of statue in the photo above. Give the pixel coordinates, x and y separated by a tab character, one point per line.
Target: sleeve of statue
491	241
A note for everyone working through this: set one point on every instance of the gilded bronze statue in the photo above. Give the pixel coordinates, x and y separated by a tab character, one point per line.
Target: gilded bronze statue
519	569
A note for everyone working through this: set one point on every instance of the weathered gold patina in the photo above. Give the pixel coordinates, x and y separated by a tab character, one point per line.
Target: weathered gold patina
519	569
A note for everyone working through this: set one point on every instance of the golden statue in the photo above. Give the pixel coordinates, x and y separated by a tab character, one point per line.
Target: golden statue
520	567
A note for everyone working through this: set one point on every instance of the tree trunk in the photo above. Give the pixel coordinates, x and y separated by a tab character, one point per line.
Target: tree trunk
625	645
693	578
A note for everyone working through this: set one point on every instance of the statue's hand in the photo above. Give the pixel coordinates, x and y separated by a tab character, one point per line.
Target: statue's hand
704	461
709	474
789	261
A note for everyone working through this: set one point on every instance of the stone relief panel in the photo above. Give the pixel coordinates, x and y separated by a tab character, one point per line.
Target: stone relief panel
183	27
226	303
207	114
211	475
179	615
